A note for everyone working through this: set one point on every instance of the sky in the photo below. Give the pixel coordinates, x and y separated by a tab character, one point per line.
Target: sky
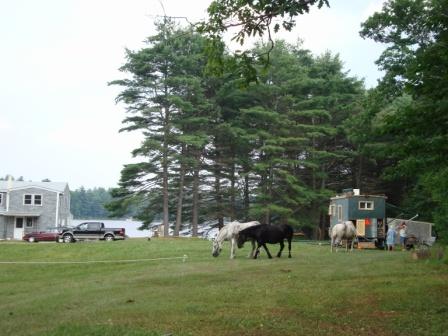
58	116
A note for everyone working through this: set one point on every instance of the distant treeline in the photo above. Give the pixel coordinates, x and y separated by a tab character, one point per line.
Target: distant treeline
89	203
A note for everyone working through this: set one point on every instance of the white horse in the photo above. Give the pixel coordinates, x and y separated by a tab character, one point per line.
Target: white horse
230	232
342	231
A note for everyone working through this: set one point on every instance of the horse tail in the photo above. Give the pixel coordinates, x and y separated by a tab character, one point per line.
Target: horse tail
289	232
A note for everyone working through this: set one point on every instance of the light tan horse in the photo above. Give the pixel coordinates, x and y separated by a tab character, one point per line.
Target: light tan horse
342	231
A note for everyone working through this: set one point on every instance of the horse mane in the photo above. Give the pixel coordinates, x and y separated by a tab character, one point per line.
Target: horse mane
224	232
233	228
250	229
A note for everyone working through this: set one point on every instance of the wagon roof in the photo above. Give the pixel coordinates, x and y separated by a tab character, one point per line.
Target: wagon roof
357	196
407	221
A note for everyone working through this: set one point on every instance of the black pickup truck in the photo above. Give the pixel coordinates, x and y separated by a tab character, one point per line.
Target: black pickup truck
91	231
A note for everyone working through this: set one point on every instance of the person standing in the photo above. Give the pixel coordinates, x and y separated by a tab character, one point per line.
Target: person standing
403	235
390	238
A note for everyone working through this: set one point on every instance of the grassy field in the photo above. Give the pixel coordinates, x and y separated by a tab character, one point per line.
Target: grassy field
367	292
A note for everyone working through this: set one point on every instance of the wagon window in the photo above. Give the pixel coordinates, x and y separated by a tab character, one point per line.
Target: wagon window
365	205
339	212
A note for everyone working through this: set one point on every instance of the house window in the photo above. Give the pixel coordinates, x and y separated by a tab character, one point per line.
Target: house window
365	205
1	198
29	222
339	212
29	199
37	199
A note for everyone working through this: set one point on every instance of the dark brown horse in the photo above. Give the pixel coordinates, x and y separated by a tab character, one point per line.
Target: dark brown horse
264	233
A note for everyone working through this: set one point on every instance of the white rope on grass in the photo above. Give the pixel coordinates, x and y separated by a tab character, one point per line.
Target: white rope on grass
184	258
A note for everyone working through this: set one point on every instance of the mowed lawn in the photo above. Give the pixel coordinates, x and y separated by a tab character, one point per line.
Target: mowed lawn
367	292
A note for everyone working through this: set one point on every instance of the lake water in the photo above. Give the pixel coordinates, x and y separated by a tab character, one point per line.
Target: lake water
130	226
205	230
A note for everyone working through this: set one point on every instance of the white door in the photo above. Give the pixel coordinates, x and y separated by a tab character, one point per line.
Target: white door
18	228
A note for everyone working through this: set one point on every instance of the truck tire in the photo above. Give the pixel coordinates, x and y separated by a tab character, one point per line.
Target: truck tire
32	240
68	238
108	237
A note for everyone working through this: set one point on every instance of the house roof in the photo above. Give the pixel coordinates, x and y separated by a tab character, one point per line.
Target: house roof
52	186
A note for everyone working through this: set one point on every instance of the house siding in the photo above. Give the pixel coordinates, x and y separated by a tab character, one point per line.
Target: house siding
2	201
2	227
2	218
65	216
9	227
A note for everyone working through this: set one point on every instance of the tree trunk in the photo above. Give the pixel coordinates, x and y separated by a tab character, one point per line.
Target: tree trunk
323	217
246	195
232	192
359	172
180	197
313	157
269	183
165	174
194	220
219	214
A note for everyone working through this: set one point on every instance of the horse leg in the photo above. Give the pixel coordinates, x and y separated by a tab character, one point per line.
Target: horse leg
267	251
251	253
257	251
232	248
282	246
331	244
289	247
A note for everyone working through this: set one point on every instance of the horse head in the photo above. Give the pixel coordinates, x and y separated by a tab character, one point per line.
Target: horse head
217	247
241	239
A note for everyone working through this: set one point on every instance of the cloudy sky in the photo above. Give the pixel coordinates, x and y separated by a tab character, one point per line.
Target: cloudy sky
58	117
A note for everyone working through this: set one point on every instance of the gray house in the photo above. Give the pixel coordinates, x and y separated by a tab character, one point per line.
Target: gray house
32	206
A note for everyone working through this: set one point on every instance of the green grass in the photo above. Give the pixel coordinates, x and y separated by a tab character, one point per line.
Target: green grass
367	292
